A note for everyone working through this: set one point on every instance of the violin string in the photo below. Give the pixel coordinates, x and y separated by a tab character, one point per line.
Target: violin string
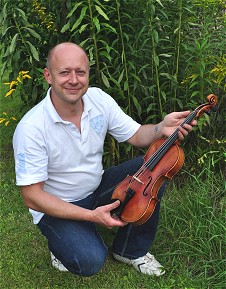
156	157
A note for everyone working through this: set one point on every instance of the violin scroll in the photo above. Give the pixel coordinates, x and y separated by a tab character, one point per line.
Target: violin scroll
206	107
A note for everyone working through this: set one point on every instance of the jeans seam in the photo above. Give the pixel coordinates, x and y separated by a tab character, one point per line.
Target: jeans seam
59	238
126	240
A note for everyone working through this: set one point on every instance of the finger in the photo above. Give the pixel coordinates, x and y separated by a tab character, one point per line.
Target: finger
187	127
182	114
180	136
114	205
194	122
118	223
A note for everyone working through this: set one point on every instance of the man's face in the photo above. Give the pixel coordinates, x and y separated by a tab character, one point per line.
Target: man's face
68	73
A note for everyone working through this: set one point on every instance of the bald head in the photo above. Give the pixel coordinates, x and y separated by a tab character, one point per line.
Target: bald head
63	48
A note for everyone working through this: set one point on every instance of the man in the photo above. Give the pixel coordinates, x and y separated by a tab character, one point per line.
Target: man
58	148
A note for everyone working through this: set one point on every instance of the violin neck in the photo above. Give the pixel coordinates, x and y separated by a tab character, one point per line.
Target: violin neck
162	150
174	136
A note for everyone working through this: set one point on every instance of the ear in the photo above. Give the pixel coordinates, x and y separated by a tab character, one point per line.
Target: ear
47	75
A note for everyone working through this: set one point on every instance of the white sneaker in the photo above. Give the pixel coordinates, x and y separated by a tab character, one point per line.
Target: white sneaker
57	264
147	264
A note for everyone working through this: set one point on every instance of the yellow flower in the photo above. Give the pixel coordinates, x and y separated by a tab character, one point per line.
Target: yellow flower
12	83
2	119
6	120
26	76
188	78
18	79
10	92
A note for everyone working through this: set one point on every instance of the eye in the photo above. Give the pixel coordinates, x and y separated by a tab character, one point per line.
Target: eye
64	73
81	73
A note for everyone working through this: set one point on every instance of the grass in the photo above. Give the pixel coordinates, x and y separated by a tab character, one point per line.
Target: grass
189	242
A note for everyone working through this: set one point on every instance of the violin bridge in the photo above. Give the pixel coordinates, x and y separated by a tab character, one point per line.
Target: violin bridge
138	180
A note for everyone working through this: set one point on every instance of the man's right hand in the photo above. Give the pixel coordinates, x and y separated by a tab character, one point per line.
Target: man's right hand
102	216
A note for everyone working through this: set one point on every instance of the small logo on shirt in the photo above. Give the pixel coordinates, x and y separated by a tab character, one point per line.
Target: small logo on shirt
97	123
21	163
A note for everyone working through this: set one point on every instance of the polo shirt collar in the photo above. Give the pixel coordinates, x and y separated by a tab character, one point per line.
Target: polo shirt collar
53	114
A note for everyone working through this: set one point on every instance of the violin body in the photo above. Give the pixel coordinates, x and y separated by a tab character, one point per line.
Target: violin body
138	194
142	205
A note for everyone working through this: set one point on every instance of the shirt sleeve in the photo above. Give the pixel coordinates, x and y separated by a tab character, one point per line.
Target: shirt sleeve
31	160
121	126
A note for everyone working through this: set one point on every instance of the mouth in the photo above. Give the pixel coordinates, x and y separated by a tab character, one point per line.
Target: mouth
72	90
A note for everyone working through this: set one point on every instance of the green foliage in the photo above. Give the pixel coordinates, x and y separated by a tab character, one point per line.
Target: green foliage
152	56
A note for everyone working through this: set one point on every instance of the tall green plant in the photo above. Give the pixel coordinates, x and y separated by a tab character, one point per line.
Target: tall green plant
152	56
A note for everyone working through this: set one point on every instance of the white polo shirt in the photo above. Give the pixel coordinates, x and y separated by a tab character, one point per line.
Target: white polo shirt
52	150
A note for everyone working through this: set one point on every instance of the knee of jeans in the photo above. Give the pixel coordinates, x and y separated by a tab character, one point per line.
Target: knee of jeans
88	266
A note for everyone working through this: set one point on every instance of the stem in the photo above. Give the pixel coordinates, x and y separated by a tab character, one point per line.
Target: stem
178	46
22	39
124	56
95	42
150	20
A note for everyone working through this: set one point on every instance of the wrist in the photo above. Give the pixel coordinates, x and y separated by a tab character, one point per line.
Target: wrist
158	130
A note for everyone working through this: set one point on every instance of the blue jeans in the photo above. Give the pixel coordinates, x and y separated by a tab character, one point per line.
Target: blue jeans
78	244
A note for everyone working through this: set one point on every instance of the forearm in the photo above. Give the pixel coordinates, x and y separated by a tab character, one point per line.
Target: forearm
37	199
146	135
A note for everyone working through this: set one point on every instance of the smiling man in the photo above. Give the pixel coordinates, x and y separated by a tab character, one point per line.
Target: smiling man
58	147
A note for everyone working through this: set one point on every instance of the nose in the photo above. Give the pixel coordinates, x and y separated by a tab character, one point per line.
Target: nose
73	77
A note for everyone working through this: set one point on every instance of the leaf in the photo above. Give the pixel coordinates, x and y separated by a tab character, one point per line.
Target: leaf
194	24
79	20
65	27
4	12
165	55
136	77
167	75
101	12
193	84
163	95
137	104
194	93
83	43
96	23
22	13
73	10
176	30
105	80
33	50
13	43
156	36
4	31
160	3
126	85
156	60
106	55
83	28
179	102
33	33
121	76
110	27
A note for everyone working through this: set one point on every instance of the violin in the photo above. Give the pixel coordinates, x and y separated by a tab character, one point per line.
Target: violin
138	194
